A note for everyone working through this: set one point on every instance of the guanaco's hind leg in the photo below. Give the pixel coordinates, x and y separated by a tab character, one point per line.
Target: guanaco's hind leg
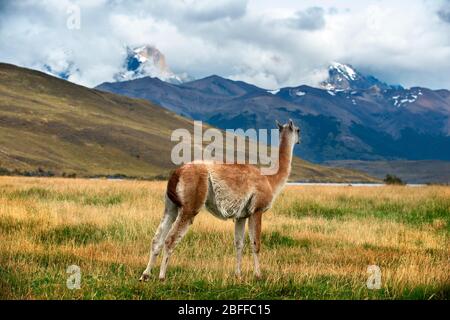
190	188
176	233
170	214
254	231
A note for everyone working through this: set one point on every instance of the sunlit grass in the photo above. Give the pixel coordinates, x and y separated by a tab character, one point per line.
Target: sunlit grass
317	243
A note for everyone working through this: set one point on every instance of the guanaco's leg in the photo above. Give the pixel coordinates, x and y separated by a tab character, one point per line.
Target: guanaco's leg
254	231
239	237
176	233
170	214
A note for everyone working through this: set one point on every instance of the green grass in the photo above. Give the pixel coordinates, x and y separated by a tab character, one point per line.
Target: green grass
36	193
276	239
119	282
422	213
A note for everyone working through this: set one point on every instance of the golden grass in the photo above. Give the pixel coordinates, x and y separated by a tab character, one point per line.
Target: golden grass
317	243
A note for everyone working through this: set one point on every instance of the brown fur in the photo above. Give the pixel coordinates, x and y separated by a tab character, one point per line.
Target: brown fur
239	177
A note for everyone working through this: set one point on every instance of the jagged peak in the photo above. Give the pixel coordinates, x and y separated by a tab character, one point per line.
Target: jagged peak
344	77
345	69
147	60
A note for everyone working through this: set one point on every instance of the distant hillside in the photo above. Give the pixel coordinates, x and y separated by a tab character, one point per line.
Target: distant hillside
55	125
351	116
424	171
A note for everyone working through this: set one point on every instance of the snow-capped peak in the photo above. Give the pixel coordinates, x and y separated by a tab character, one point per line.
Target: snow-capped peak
344	69
147	60
344	77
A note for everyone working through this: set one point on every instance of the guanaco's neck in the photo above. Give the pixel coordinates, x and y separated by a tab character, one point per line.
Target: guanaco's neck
285	150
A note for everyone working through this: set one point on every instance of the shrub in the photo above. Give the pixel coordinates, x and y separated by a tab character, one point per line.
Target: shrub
4	172
393	179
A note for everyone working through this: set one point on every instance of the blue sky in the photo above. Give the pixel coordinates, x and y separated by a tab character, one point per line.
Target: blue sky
268	43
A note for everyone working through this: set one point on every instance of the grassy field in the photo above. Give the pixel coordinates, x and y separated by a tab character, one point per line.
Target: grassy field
317	243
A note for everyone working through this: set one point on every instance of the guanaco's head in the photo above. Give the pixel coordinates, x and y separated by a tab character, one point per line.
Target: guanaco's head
289	130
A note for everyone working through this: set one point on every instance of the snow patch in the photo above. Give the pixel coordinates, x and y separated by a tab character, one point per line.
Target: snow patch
329	86
408	97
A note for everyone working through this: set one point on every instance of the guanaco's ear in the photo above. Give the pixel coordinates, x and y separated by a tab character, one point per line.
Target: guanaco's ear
279	125
291	124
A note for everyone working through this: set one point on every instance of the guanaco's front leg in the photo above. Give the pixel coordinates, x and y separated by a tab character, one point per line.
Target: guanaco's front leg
254	231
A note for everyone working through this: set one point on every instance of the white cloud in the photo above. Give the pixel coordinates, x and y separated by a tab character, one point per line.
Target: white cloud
271	44
310	19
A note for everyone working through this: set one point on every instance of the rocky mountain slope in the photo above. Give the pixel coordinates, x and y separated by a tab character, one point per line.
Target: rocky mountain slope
350	116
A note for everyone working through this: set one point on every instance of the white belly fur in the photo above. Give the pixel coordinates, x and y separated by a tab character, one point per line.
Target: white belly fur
224	203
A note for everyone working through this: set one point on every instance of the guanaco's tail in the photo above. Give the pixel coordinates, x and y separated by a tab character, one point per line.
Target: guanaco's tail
172	188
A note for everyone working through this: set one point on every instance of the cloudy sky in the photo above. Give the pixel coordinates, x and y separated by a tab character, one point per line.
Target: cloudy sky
268	43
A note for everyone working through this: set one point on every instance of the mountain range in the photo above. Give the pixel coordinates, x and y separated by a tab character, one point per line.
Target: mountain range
52	126
348	116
